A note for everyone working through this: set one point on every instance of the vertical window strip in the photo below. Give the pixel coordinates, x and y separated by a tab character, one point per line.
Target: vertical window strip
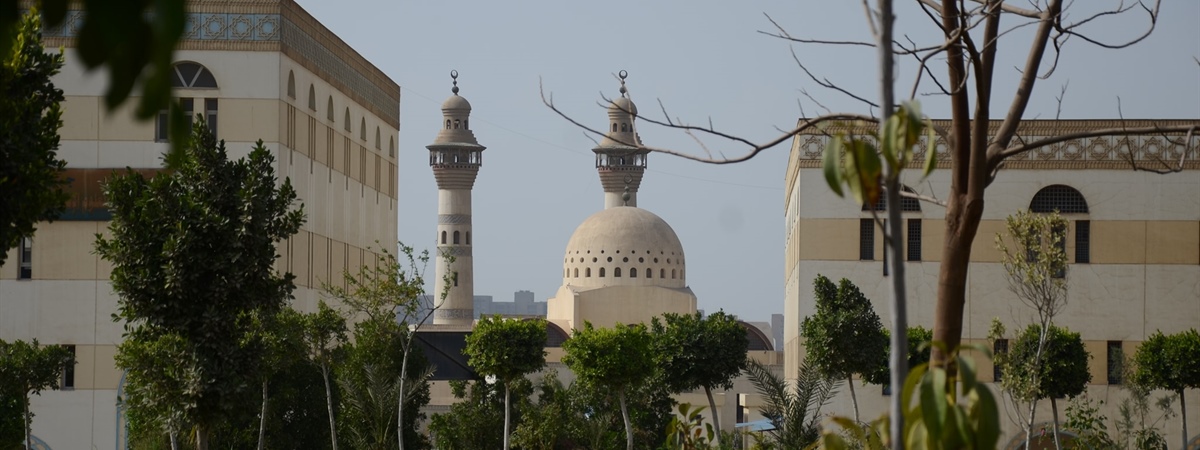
866	239
1116	362
1083	238
914	240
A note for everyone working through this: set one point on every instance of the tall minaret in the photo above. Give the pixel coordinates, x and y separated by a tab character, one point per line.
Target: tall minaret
619	158
455	157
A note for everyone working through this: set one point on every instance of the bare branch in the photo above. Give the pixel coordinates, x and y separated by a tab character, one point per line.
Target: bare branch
1152	13
870	19
825	83
783	34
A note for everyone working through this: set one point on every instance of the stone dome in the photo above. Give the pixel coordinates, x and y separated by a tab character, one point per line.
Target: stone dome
456	103
624	246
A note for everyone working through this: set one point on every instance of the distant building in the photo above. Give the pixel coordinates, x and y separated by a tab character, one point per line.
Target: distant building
523	305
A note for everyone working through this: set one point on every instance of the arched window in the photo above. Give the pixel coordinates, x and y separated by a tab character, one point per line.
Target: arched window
312	98
362	129
329	109
601	272
447	124
191	75
633	272
672	274
456	122
291	87
617	272
377	138
587	272
662	273
346	120
443	236
456	235
1061	198
649	273
391	146
576	272
614	128
1067	200
469	239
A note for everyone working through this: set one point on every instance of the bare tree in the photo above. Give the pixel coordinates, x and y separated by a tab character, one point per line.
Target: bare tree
977	146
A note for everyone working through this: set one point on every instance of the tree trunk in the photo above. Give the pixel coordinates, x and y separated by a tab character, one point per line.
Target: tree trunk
1054	410
625	417
899	354
1037	379
712	407
174	439
262	418
1183	417
329	406
1029	425
853	398
400	403
506	411
28	431
201	437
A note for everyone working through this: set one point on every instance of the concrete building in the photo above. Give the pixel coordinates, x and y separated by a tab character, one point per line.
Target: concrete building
1133	244
257	69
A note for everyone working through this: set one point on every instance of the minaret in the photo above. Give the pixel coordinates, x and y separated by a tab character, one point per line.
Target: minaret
620	160
455	157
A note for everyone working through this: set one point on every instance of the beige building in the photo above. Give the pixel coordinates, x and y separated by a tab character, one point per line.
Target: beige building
1133	244
257	69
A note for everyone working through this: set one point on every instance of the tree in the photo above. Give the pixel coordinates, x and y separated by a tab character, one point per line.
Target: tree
845	337
617	358
794	409
1033	253
26	369
1041	365
192	254
372	373
390	292
918	340
31	183
282	338
324	332
694	352
508	350
1169	362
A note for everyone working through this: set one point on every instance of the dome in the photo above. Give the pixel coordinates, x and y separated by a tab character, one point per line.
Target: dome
456	103
622	105
624	246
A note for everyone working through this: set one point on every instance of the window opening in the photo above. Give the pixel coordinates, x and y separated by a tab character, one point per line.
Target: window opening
1116	362
617	272
312	98
68	374
25	259
866	239
291	87
456	237
329	109
914	240
210	115
633	272
1061	198
1083	237
443	236
601	272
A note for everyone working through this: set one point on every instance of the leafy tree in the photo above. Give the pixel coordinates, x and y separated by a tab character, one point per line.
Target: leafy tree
694	352
31	187
794	409
1033	253
556	421
845	337
26	369
391	292
617	358
508	350
1170	362
1062	373
372	371
473	421
193	255
282	339
919	349
323	332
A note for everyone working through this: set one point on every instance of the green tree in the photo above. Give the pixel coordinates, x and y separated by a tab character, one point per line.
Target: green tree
845	337
374	363
31	183
1170	362
282	338
507	350
555	422
617	358
694	352
794	409
26	369
1062	372
323	333
919	339
193	254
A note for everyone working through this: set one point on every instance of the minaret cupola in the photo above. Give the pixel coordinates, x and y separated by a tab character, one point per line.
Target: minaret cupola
620	157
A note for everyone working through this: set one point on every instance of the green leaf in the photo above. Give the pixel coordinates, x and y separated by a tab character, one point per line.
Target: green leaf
930	151
890	140
833	173
863	170
986	415
933	401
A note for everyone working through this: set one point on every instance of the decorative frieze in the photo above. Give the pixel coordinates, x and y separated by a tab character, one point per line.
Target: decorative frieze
454	219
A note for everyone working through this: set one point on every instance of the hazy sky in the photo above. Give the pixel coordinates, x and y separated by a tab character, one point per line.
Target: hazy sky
702	59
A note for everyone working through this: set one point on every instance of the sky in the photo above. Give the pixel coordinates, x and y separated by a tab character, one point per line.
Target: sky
703	60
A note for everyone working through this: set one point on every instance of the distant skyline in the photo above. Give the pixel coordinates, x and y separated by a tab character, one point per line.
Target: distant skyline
702	59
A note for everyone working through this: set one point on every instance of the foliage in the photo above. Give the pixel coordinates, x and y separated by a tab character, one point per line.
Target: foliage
1090	427
26	369
617	358
688	431
31	187
553	422
794	409
1170	362
476	420
1063	372
854	162
506	349
1033	252
845	337
919	349
700	352
322	334
936	420
193	254
374	354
